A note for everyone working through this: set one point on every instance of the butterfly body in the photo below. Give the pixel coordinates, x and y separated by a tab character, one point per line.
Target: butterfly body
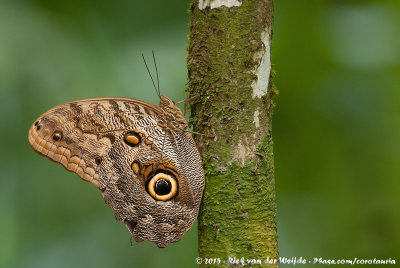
139	155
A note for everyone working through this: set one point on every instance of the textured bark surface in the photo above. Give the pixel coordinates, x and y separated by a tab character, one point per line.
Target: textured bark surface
228	46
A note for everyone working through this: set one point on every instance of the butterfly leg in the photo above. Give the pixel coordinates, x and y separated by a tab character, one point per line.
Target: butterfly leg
188	99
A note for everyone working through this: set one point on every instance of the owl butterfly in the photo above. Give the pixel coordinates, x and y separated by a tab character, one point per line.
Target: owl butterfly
140	156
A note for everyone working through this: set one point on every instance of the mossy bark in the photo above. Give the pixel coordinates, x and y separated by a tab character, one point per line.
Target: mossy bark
238	213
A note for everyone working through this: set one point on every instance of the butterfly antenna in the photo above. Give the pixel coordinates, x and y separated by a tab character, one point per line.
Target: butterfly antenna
158	80
151	77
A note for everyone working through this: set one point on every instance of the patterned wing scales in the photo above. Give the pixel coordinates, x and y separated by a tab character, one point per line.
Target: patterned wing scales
80	134
121	145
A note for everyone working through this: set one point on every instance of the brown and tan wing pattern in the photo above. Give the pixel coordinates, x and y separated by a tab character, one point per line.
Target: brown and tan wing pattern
148	170
78	134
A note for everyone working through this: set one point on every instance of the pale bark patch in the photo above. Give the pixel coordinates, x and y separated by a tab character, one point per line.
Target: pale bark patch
260	86
245	149
203	4
256	119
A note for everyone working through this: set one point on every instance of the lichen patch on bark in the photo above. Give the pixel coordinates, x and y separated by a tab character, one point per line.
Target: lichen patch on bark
203	4
256	118
245	149
260	85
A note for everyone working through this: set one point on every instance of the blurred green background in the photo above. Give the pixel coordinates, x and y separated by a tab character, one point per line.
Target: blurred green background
336	125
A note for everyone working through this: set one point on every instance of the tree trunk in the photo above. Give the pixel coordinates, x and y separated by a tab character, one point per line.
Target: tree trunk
229	68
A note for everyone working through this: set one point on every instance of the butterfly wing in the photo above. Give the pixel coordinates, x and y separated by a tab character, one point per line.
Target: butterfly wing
118	145
87	130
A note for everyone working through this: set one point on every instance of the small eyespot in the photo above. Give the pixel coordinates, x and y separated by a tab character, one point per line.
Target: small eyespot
36	123
57	136
135	167
132	139
98	160
38	127
162	187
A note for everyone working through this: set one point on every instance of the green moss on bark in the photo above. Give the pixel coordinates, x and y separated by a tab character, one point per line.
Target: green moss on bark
238	214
